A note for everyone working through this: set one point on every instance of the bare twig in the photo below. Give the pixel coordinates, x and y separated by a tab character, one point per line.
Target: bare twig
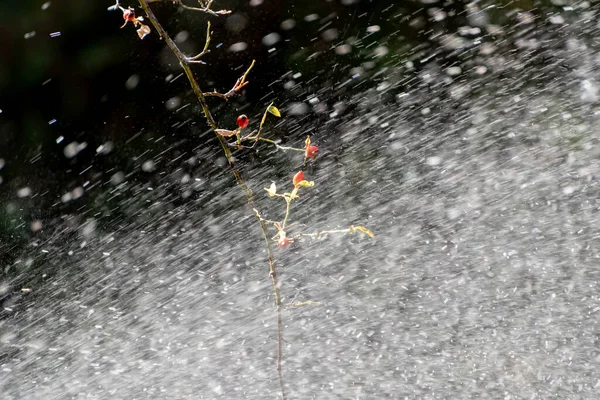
196	58
277	145
234	91
241	82
351	229
319	234
203	8
288	203
304	303
145	4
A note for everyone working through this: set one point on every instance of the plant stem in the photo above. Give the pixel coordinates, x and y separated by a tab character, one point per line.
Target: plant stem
145	4
274	143
288	202
322	233
204	9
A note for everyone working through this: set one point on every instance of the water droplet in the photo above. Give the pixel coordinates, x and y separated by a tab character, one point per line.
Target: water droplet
24	192
271	39
132	82
288	24
237	47
433	161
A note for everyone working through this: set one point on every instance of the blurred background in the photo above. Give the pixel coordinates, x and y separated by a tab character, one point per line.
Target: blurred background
463	133
82	99
70	77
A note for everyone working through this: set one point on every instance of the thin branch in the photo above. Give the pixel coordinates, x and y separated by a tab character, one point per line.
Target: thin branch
319	234
268	221
351	229
273	143
288	203
304	303
145	4
262	122
196	58
241	82
204	8
215	94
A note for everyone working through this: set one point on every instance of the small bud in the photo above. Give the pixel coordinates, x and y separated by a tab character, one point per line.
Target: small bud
310	150
243	121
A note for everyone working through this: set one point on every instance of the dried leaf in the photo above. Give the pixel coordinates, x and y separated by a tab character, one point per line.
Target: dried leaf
361	229
272	190
273	110
143	31
225	132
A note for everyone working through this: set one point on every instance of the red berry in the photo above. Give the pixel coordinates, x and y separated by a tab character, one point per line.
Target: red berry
243	121
311	152
283	242
299	177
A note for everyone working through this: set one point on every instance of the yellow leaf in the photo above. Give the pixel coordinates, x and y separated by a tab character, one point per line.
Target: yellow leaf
272	190
307	142
273	110
306	184
361	229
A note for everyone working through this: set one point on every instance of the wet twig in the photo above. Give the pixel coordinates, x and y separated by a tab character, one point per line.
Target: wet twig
241	82
204	7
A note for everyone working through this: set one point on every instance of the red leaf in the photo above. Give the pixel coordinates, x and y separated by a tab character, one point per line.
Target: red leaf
299	177
311	151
